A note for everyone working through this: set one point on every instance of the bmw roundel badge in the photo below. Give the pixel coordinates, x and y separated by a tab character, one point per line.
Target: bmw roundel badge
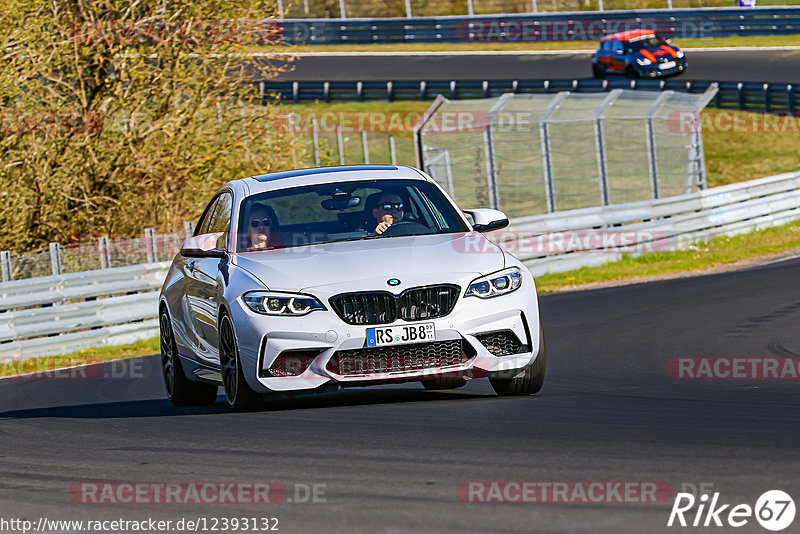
393	282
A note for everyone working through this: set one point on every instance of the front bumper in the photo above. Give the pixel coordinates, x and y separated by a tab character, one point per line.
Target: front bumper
652	71
321	337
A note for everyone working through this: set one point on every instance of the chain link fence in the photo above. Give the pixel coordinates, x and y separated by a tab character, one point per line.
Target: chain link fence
539	153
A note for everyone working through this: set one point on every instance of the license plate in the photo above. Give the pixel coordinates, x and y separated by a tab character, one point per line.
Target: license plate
667	65
399	335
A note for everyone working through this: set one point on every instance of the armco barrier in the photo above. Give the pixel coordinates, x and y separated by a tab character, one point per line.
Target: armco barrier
753	96
575	26
60	314
70	312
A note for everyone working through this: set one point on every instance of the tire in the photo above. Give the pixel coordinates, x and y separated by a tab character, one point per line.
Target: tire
180	390
630	72
598	71
530	381
444	383
238	394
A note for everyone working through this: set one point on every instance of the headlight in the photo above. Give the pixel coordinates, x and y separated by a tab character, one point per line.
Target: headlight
680	53
643	61
270	303
494	285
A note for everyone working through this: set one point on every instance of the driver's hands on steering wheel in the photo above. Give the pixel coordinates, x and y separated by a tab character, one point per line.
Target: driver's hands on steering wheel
385	222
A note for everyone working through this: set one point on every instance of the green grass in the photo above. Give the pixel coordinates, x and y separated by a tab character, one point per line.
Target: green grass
769	40
88	355
702	256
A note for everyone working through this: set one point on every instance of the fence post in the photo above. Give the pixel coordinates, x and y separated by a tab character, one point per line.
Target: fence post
491	171
600	6
55	259
188	228
534	7
315	139
5	262
652	155
365	146
408	8
340	143
342	12
392	150
602	168
105	253
448	169
150	245
470	10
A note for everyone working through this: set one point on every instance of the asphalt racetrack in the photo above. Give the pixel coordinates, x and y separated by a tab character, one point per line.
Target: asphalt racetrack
780	66
392	458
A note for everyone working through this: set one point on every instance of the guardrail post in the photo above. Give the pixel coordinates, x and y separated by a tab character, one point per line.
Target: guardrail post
392	150
389	91
315	140
340	143
791	98
150	245
105	253
491	171
359	91
262	89
767	102
422	90
188	229
296	92
740	89
365	146
55	258
5	263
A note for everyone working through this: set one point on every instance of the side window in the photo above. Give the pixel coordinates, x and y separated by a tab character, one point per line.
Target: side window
205	219
221	219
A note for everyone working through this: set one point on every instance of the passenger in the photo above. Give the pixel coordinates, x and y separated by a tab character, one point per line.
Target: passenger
261	227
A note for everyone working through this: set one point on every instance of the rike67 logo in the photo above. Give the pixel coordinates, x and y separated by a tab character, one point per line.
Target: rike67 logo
774	510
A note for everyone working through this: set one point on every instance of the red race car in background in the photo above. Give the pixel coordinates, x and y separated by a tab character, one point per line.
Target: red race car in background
637	54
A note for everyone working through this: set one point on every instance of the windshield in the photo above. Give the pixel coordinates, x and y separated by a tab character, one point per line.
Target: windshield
635	46
344	211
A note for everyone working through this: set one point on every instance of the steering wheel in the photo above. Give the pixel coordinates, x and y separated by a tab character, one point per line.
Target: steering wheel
401	228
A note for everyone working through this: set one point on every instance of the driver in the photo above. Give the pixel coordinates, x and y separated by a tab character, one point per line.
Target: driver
388	210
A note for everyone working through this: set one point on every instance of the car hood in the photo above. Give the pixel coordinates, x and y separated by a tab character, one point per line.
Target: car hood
425	257
659	53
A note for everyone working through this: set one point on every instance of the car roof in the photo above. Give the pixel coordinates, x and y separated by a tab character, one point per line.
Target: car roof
322	175
628	35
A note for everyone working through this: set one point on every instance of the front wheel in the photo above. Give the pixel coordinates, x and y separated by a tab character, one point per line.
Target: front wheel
531	379
238	394
598	71
630	72
180	390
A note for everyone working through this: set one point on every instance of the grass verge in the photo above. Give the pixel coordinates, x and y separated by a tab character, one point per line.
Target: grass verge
718	42
85	356
700	257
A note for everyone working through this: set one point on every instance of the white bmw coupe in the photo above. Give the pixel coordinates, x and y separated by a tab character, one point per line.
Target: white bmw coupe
317	279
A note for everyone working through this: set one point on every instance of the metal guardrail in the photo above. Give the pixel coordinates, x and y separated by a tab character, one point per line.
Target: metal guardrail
752	96
574	26
66	313
665	224
69	312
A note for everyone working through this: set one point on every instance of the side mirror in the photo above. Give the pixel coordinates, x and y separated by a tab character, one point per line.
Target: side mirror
486	220
204	246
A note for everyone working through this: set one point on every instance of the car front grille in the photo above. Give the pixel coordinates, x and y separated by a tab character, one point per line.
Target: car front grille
502	343
399	358
382	307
